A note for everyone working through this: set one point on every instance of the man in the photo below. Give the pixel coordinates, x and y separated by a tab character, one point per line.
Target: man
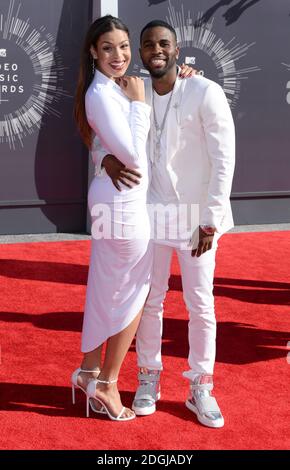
192	145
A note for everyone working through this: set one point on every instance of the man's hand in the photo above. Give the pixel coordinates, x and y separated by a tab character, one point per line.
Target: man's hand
118	173
205	243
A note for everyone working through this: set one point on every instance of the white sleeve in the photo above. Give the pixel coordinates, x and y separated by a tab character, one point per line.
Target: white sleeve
127	141
98	152
220	141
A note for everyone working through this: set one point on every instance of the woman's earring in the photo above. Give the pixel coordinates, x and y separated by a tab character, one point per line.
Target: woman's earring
93	66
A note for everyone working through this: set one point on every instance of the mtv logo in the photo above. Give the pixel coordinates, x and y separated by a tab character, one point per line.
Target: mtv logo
2	52
190	60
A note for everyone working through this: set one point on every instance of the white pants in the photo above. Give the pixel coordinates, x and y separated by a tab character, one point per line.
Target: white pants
197	281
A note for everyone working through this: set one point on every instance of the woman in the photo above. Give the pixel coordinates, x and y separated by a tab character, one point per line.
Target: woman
112	106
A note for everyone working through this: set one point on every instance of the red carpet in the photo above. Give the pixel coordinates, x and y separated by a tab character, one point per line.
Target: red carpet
42	293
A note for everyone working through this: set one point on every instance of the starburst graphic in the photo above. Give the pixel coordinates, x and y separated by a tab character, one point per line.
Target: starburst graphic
39	59
197	37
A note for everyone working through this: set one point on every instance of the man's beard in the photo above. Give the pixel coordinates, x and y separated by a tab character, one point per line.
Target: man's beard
159	73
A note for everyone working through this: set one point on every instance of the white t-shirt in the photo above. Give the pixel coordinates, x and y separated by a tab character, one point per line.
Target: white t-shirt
166	223
161	189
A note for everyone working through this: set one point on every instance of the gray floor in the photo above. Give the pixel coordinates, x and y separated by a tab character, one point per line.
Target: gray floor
47	237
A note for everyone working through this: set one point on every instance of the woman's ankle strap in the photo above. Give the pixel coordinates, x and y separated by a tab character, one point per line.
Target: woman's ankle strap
91	370
106	381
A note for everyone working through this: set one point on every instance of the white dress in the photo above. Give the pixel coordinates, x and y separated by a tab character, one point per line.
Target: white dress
121	257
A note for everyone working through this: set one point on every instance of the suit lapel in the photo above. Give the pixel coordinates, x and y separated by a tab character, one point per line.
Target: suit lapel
148	98
173	120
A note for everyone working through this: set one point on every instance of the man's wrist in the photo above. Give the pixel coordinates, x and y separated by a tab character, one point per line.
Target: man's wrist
106	158
208	229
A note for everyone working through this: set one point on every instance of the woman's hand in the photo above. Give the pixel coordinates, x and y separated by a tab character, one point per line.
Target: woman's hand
187	71
133	87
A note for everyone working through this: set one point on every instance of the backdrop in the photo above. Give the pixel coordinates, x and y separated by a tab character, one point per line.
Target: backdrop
244	46
43	165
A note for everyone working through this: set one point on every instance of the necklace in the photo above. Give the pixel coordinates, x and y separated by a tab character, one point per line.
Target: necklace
159	128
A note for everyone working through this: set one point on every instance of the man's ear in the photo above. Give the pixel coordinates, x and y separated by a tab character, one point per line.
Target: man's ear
93	52
177	52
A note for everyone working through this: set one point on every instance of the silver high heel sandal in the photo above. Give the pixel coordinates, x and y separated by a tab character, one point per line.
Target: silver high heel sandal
91	394
74	385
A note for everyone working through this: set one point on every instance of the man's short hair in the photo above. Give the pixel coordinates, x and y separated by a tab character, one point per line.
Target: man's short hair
156	23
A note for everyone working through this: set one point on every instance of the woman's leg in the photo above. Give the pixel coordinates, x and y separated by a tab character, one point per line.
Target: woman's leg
92	360
117	348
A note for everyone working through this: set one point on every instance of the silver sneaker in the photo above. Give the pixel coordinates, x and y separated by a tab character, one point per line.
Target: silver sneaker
147	393
203	404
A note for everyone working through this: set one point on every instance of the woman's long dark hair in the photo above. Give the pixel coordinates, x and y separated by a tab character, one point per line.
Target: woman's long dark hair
102	25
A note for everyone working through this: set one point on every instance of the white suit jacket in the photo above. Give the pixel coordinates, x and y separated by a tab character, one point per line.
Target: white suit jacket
200	148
